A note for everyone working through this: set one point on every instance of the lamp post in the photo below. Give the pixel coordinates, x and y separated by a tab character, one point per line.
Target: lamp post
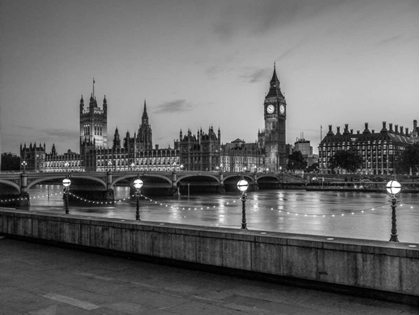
66	184
24	165
109	165
138	184
393	188
281	175
132	166
243	186
66	165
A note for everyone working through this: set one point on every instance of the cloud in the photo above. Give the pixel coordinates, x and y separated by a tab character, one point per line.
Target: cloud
176	106
63	133
259	17
389	40
58	134
257	75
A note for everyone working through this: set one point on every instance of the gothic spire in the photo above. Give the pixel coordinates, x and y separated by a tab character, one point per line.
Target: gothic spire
274	79
145	117
274	85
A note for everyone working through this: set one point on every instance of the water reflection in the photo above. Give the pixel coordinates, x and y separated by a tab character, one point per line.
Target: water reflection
293	211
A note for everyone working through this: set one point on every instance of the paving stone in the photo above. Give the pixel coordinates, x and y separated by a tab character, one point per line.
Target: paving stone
31	274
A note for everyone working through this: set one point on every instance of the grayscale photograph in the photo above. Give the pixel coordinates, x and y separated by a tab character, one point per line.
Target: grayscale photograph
209	157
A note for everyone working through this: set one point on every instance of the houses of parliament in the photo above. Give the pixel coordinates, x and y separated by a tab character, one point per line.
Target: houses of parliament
203	150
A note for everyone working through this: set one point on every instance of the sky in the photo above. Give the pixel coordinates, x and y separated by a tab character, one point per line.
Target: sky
205	63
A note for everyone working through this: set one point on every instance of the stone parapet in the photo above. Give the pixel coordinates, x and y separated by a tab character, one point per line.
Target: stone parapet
358	265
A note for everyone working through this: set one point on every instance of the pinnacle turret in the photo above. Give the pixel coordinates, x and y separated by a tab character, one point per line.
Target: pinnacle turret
274	85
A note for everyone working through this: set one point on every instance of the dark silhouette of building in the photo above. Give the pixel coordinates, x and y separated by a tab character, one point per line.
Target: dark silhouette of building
201	152
273	137
381	150
239	156
33	155
93	125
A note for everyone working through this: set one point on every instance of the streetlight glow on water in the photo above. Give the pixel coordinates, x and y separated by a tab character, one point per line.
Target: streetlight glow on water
329	213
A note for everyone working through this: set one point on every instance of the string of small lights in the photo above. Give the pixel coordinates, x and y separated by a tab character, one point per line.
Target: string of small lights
256	206
293	213
26	198
99	202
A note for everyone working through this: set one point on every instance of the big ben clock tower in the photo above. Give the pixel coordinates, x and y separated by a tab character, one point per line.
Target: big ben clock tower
275	125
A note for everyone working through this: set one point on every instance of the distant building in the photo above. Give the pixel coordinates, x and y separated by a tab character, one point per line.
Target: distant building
201	152
238	156
134	153
33	155
381	150
273	137
93	125
67	162
304	146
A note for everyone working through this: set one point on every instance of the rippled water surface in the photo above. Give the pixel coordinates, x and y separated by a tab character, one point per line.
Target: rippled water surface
356	215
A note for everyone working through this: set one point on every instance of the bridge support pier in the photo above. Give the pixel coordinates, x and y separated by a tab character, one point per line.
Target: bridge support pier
23	199
222	188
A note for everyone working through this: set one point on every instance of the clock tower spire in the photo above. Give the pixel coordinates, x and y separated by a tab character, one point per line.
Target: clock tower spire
275	125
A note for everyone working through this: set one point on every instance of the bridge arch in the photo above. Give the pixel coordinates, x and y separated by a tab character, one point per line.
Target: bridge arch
40	180
164	178
183	177
267	176
9	183
234	178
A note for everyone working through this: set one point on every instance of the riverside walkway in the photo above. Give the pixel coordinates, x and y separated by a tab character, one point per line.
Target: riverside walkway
38	279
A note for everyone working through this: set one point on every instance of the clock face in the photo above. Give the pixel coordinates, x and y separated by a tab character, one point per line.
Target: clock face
282	109
270	109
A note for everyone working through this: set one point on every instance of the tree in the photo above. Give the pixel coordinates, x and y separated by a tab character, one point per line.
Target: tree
410	159
313	168
10	162
296	161
349	160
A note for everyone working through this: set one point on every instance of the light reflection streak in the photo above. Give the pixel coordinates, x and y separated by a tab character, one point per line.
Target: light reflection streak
367	223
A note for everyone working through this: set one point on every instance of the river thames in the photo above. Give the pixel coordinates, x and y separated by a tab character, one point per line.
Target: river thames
329	213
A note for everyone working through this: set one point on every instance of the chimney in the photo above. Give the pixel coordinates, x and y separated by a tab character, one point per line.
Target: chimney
338	131
414	125
396	128
373	130
366	128
358	132
346	129
157	146
406	132
402	130
330	132
384	126
351	131
390	127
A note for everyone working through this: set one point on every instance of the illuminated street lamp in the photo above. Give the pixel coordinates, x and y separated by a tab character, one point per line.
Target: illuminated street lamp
66	184
109	165
24	165
243	186
138	184
66	165
132	166
393	188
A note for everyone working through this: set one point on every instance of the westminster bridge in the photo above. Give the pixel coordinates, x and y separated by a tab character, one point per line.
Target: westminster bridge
100	185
